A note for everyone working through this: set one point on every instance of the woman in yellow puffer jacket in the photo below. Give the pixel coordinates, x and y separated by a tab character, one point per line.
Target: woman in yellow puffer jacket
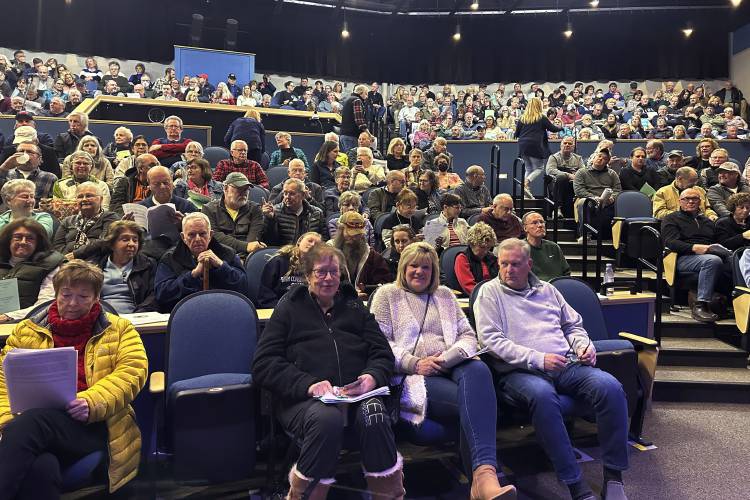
112	368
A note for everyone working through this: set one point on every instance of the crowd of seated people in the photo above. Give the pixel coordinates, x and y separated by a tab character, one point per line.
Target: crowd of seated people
217	226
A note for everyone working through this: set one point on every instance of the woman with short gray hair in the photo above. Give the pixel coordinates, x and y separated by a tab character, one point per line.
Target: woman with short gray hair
18	196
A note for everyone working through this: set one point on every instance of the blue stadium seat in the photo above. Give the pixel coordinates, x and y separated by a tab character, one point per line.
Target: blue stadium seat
208	422
258	194
447	270
633	210
214	154
276	175
81	473
254	269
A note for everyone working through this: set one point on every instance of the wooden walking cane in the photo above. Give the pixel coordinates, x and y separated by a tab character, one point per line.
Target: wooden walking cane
205	276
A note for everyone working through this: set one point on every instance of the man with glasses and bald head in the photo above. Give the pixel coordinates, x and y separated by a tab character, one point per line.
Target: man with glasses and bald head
692	235
548	258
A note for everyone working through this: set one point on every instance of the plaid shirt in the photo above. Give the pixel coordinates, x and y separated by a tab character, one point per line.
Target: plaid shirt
252	170
359	113
44	181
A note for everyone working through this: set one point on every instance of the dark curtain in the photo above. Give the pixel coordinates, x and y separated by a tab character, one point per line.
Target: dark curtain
302	40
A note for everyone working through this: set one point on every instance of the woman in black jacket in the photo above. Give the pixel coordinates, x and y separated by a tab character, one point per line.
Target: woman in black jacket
732	230
322	171
248	128
128	273
533	147
321	339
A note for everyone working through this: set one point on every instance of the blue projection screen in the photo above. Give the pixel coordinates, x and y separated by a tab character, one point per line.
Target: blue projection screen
216	63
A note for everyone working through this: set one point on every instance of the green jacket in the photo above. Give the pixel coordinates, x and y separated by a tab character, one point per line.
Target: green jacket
31	274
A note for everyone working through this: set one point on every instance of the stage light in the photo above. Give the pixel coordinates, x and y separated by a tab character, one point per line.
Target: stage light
231	36
735	3
568	31
196	29
687	32
457	34
594	3
345	30
474	5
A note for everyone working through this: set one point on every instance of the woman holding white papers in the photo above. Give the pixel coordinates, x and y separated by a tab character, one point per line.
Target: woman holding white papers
112	368
321	339
434	344
26	254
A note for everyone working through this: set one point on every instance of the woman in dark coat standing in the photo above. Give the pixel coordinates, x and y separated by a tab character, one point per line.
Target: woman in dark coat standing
248	128
531	132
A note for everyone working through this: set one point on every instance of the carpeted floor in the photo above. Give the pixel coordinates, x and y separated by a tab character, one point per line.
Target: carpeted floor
702	454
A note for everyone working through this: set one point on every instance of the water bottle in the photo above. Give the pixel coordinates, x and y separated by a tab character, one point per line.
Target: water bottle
609	277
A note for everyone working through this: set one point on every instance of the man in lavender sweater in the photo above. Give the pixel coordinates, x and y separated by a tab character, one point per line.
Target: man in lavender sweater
542	351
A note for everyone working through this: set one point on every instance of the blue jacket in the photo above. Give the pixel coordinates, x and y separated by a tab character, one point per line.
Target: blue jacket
174	280
180	204
248	130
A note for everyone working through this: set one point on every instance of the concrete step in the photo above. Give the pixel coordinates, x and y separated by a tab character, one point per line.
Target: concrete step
682	325
706	384
700	352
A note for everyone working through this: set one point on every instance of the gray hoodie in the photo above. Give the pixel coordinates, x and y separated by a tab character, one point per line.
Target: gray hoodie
520	326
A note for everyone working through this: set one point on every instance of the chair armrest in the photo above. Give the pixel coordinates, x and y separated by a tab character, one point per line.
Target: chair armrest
637	339
156	383
741	307
617	224
670	267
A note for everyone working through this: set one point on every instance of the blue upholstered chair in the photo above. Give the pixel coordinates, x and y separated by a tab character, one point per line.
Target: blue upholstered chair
207	426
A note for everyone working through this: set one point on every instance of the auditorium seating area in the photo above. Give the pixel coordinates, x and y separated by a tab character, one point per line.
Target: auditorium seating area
203	419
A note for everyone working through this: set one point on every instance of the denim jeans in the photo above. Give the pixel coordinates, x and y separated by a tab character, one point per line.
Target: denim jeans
709	269
540	393
534	167
465	393
347	142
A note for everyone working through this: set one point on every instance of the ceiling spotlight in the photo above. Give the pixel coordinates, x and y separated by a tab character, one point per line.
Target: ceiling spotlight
594	3
474	5
345	30
735	3
687	32
457	34
568	31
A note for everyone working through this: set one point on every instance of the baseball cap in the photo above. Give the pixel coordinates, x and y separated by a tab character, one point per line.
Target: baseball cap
606	151
353	223
231	76
203	75
729	166
571	107
236	179
675	152
24	134
24	116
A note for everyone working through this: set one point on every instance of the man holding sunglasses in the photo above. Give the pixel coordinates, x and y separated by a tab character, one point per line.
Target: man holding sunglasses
692	234
539	349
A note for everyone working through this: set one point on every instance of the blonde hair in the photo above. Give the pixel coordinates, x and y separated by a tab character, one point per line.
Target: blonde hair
125	131
393	143
533	112
481	233
254	114
292	251
78	271
418	250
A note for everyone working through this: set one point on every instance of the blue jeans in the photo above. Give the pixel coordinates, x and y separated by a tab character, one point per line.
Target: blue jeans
347	142
540	393
465	393
709	269
534	167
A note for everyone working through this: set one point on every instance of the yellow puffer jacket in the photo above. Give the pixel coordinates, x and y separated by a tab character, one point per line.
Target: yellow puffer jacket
116	369
667	200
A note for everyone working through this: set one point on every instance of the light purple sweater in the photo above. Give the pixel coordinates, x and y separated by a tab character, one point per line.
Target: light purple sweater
519	327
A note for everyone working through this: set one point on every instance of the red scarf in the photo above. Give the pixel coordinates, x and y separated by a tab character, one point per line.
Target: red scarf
74	333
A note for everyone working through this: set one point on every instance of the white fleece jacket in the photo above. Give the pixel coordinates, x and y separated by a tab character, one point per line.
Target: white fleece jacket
519	327
400	322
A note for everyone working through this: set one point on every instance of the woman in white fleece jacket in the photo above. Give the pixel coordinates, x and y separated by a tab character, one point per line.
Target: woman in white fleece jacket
432	342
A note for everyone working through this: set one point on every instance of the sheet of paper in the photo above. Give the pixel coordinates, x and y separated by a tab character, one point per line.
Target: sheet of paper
161	221
330	398
648	190
146	318
432	231
40	378
139	213
9	295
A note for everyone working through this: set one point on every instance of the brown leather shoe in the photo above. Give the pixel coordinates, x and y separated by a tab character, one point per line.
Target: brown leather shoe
702	313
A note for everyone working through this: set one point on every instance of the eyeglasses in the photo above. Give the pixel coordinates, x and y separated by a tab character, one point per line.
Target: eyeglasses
691	199
24	237
323	273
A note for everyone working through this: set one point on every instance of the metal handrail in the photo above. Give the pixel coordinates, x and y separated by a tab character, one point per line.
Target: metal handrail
519	182
494	170
588	204
555	206
651	243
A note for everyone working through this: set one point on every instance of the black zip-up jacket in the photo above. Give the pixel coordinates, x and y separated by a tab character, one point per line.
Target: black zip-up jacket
301	345
682	230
